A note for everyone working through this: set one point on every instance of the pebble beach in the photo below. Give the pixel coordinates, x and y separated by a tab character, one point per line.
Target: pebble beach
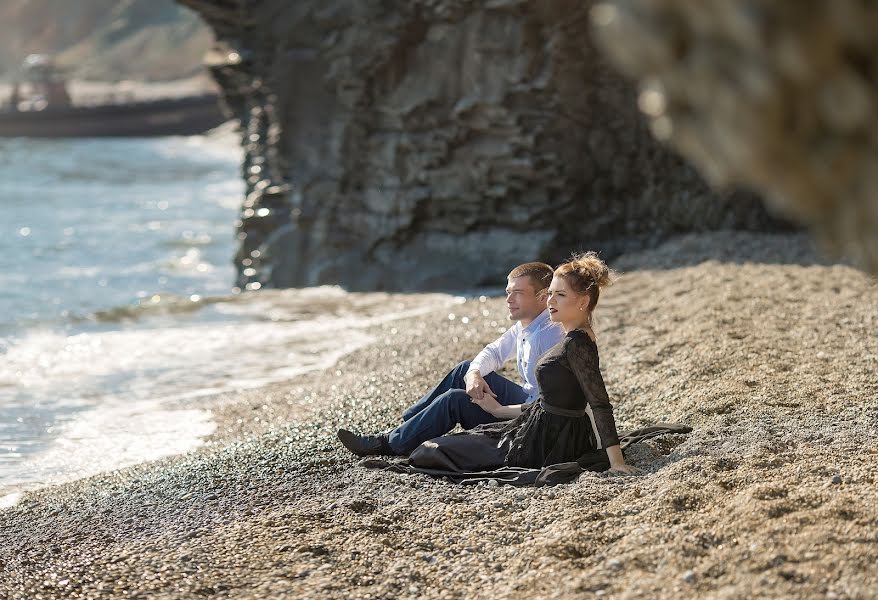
766	348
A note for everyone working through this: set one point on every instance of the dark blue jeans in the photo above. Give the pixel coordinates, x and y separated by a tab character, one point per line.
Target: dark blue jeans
447	405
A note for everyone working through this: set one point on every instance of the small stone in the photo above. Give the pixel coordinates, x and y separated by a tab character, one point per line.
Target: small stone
493	483
614	564
689	576
836	479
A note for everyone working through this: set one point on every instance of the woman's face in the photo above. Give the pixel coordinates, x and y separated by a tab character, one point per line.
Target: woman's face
566	306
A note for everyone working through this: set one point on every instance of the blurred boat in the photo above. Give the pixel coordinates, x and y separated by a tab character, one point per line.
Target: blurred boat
41	107
188	115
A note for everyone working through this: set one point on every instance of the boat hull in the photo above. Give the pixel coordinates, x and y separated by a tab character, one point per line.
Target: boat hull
172	116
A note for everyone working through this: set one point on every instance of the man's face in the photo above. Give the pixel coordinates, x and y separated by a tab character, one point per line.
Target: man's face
523	300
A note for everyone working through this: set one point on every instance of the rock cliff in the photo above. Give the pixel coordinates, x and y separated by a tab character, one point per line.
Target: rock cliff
779	95
436	143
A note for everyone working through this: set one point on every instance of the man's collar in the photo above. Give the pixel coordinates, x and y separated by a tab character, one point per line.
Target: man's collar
538	321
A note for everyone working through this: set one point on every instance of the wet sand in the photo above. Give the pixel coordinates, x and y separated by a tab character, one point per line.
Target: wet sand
768	351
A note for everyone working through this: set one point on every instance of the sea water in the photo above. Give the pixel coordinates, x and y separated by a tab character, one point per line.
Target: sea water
117	307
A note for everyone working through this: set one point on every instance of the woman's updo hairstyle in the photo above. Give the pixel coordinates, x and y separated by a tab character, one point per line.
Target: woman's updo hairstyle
585	273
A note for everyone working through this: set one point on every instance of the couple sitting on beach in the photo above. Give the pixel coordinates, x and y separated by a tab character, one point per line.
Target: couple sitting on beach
561	414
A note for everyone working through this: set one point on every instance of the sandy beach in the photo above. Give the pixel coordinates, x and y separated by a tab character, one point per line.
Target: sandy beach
765	348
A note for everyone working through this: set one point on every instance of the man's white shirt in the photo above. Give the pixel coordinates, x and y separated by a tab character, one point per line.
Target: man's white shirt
527	344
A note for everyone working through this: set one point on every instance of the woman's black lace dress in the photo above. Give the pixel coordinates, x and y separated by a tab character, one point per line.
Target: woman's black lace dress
573	417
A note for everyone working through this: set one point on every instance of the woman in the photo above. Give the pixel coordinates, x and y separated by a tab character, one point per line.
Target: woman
573	416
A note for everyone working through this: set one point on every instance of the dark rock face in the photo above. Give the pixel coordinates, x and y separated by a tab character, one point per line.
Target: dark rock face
434	144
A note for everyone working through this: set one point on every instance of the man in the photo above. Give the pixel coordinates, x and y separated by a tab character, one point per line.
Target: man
455	400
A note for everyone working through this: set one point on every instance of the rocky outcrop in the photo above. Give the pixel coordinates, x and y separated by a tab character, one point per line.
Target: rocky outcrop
437	143
780	95
105	40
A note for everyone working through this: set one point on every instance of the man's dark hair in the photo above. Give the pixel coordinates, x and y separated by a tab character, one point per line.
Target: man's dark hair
540	274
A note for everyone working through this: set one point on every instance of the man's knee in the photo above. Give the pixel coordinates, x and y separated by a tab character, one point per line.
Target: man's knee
455	401
462	410
455	378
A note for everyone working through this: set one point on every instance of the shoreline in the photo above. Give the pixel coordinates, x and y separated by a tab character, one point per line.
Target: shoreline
146	429
760	345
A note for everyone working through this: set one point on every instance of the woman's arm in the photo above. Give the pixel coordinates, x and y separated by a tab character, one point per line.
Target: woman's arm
490	405
585	364
617	461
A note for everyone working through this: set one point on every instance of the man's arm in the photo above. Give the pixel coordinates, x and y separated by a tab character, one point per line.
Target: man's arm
495	354
487	361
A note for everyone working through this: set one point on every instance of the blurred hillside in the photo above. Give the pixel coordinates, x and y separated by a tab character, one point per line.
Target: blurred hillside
151	40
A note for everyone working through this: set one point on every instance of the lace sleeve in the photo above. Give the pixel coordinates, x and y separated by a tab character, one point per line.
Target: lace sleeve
584	362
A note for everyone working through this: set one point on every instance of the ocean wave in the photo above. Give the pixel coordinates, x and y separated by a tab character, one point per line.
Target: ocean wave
189	241
287	305
80	385
153	305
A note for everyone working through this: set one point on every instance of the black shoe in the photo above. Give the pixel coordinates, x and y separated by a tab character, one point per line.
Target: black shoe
365	445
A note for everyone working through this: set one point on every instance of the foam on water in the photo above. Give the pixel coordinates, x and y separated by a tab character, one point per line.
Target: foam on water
116	308
82	403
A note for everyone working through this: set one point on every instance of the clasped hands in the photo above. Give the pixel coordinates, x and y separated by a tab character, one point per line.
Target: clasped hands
481	393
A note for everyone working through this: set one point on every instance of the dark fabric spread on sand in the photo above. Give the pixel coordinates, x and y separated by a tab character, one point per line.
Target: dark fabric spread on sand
565	472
